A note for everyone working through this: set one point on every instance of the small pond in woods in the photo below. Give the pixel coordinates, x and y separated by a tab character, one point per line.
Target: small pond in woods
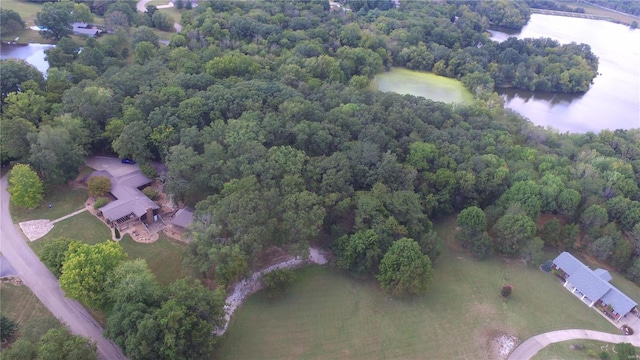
420	83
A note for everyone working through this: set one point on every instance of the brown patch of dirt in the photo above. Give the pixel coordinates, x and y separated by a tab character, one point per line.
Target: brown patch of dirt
545	218
271	256
500	344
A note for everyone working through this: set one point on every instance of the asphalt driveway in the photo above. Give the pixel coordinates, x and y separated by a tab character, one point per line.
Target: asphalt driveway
111	164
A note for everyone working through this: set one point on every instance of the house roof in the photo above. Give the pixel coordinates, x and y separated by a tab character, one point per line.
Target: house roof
603	274
588	283
594	283
129	200
183	217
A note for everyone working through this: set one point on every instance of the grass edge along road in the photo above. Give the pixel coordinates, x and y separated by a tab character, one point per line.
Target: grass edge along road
583	350
330	315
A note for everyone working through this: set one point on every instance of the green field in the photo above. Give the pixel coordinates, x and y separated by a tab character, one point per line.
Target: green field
329	315
563	351
20	304
163	256
84	227
64	200
419	83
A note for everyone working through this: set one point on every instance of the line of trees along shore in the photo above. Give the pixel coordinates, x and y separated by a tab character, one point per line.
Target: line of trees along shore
263	115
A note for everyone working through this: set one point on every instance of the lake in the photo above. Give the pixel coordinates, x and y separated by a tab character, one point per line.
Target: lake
419	83
612	101
32	53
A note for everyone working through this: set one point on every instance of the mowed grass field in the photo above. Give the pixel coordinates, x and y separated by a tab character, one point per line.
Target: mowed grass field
63	199
165	257
20	304
329	315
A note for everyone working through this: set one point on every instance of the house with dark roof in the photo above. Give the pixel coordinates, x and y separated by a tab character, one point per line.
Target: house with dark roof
592	286
130	203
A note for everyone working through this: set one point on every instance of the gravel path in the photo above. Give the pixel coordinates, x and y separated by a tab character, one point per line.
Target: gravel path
35	229
45	286
252	284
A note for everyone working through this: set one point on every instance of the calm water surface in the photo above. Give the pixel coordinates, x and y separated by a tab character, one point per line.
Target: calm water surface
32	53
612	102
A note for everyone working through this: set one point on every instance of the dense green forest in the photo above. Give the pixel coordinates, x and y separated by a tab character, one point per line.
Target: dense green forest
262	113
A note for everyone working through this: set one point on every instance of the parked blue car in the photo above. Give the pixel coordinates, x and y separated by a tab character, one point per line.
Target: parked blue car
128	161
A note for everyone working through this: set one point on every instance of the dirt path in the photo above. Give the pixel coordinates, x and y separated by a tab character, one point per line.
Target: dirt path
250	285
45	286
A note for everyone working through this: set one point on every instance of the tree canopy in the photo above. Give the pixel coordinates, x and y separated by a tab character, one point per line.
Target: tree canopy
25	186
404	269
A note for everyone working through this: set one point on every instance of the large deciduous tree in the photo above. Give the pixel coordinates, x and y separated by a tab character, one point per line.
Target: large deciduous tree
472	232
86	270
133	282
10	22
513	232
98	186
59	344
14	73
25	186
55	154
360	252
404	269
55	252
55	20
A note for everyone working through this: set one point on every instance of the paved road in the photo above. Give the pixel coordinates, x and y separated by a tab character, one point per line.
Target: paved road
45	286
529	348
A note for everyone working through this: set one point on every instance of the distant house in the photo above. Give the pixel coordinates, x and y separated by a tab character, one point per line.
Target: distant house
130	203
592	286
182	219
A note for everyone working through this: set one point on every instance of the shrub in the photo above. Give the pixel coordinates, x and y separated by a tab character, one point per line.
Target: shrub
603	355
506	290
277	281
117	233
100	202
150	192
8	328
148	171
98	186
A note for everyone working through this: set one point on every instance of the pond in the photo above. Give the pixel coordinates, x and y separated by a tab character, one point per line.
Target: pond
418	83
31	53
613	100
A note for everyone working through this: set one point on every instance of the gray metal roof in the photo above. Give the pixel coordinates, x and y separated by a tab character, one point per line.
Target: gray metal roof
589	283
594	284
183	217
603	274
129	200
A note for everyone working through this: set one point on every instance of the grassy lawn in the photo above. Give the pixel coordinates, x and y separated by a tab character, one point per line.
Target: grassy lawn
64	200
329	315
26	9
84	227
594	10
163	256
20	304
563	351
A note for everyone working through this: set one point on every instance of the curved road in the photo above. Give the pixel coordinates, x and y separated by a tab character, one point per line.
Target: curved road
531	346
45	286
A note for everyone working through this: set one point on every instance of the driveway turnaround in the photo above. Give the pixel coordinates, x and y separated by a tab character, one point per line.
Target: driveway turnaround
45	286
529	348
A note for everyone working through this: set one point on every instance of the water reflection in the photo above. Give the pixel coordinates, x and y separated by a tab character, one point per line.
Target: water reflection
612	101
31	53
552	99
